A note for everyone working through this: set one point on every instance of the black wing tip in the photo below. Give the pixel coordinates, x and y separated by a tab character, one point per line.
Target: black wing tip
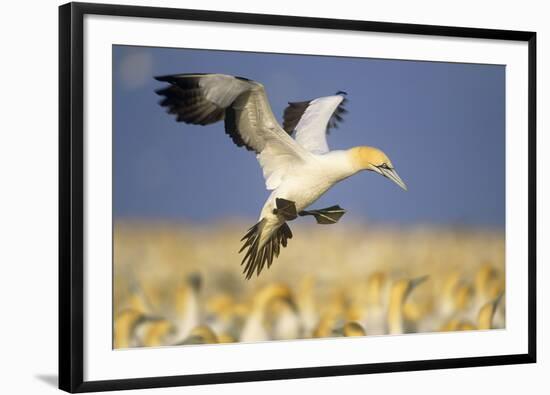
163	91
183	97
171	78
336	117
293	113
232	130
163	78
295	110
299	103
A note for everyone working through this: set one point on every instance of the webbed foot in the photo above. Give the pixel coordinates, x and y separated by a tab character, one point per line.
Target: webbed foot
325	216
285	208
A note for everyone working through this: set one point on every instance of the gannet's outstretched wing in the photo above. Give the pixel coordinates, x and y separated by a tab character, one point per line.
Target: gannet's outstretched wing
313	119
203	99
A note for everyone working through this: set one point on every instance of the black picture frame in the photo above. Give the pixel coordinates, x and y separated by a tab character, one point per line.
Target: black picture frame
71	195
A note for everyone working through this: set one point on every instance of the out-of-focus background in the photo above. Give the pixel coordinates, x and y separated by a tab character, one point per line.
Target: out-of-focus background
430	259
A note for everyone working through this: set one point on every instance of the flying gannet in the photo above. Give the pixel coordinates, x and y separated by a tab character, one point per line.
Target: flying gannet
297	170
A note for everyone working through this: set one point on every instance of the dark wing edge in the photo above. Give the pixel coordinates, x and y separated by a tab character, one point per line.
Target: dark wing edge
186	99
337	116
292	115
295	110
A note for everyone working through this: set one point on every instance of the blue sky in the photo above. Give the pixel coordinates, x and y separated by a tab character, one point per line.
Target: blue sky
441	124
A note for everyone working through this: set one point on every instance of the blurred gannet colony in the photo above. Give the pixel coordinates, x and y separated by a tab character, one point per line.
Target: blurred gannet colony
177	284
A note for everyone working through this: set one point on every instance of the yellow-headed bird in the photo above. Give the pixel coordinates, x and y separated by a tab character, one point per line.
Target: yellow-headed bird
255	328
399	293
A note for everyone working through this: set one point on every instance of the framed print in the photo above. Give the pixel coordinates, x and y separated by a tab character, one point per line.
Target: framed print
251	197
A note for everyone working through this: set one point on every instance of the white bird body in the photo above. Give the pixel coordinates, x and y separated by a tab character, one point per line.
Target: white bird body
254	329
188	317
311	179
287	325
297	170
307	183
268	304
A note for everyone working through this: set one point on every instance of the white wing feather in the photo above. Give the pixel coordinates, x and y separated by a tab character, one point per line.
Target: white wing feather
249	120
312	127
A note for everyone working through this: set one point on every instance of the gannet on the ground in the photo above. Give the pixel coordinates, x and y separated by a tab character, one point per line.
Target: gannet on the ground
400	291
259	325
201	334
487	313
307	305
297	170
485	318
154	332
353	329
378	289
283	319
186	314
125	323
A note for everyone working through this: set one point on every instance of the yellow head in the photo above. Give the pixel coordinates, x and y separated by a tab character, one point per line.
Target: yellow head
273	292
373	159
353	329
375	287
202	334
125	324
487	312
156	332
399	293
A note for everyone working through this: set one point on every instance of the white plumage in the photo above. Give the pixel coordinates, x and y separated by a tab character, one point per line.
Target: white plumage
297	171
311	129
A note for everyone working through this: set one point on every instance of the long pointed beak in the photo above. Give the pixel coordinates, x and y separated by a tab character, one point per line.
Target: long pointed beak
392	175
415	282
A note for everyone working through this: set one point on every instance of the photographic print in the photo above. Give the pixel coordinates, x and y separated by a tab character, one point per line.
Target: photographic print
250	197
267	197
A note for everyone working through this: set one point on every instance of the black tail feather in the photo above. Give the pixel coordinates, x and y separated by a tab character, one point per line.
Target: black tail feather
256	257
